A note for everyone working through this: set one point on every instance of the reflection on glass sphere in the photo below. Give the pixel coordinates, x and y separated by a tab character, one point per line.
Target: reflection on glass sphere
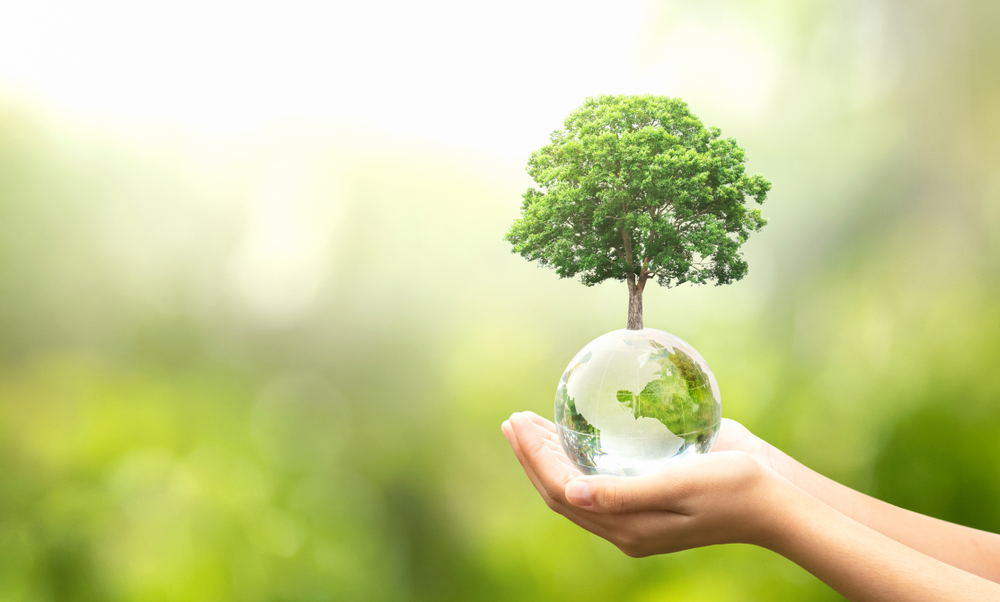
633	400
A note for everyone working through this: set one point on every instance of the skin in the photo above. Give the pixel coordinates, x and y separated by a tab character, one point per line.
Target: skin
747	491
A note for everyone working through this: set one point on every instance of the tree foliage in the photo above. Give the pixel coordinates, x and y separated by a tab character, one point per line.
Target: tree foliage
636	187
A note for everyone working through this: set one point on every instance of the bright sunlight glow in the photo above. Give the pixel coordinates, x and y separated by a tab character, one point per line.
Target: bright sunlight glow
493	77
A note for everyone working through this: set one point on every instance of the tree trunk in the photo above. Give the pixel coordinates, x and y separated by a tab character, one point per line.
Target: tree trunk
634	306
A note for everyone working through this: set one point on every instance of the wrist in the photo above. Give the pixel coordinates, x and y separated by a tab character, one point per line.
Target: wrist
780	512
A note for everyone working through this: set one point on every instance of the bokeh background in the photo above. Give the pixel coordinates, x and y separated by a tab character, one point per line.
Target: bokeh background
259	328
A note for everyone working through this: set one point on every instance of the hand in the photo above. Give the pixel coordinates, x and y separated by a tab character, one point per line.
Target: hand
733	436
734	495
721	497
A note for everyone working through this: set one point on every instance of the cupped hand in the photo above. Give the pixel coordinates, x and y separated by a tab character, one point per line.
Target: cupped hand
733	436
721	497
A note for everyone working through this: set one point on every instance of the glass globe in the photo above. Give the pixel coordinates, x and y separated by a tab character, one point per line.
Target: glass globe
632	401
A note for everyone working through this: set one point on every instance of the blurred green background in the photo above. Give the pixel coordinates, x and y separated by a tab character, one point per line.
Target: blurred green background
272	363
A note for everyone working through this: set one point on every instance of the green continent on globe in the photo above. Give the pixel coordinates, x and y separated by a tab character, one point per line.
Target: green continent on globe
681	398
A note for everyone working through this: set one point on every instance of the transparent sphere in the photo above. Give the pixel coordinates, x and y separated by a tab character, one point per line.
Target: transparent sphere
632	401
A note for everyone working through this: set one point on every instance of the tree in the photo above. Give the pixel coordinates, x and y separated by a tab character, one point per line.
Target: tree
636	188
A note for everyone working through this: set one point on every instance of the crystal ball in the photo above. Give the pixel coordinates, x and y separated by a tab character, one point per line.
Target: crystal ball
632	401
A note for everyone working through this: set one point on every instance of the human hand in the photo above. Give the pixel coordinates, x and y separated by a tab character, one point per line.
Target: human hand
720	497
733	436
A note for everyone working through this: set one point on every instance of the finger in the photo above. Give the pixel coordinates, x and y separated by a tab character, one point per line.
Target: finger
543	461
542	422
508	432
548	430
562	457
554	446
553	443
621	495
545	428
582	518
676	488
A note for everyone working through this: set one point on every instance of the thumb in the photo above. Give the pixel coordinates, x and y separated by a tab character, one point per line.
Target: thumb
671	488
618	495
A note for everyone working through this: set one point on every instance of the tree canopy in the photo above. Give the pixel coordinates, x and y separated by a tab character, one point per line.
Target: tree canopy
636	188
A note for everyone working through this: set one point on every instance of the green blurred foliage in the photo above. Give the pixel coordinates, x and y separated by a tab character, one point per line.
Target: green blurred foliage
173	429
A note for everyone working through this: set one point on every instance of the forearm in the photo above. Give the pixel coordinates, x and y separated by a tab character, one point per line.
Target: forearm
971	550
860	563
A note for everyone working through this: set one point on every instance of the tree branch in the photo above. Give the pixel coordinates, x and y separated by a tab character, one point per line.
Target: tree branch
627	239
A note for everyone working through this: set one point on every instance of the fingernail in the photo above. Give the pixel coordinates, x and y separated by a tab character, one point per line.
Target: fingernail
578	493
505	425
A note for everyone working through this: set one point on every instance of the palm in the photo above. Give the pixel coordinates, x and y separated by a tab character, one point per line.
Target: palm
733	436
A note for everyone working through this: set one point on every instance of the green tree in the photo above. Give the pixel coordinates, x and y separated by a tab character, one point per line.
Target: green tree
636	188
